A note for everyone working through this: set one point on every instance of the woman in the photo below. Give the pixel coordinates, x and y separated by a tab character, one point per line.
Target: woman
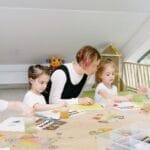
68	80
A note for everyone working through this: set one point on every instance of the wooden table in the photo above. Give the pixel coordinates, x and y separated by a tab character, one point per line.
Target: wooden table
76	134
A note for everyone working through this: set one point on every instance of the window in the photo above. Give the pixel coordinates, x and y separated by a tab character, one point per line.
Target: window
145	59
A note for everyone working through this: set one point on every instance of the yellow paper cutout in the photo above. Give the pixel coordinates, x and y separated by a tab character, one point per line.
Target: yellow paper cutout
1	136
86	107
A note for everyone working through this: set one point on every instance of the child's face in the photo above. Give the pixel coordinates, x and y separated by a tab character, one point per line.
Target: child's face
39	84
108	75
92	68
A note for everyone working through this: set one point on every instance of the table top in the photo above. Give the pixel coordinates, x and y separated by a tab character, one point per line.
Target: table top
78	133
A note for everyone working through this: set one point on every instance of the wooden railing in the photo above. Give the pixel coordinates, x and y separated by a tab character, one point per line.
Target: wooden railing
134	75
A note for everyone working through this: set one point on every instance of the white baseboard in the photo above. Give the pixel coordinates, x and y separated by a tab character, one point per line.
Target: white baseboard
13	74
13	86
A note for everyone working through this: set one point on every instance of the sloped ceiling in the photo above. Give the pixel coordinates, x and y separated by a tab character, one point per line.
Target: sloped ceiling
33	30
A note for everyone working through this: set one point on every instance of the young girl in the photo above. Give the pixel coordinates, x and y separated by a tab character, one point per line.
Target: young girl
68	81
15	105
143	90
38	77
105	91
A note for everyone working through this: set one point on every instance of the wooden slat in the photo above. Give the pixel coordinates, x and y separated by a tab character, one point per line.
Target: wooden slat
134	75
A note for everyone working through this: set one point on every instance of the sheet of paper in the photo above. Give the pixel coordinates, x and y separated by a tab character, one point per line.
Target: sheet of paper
14	124
85	107
125	105
48	114
5	148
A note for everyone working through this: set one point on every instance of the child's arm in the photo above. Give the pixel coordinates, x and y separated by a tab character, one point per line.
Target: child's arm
143	90
116	98
44	107
123	98
19	106
3	105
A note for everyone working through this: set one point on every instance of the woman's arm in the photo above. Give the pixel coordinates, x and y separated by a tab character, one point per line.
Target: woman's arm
58	79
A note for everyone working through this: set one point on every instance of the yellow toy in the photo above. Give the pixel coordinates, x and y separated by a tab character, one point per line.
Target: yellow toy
55	62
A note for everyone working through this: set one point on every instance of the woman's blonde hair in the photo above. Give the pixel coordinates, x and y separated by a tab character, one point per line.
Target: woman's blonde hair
35	71
102	67
87	54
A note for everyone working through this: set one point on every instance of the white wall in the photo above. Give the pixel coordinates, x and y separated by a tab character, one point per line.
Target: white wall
139	43
140	52
33	30
29	35
13	74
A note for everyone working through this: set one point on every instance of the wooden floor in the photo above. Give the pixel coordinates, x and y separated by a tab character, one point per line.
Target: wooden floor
12	93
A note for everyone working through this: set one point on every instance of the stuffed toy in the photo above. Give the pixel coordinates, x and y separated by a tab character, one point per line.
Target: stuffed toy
55	62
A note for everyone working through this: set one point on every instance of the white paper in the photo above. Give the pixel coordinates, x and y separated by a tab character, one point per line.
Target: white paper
14	124
48	114
5	148
125	106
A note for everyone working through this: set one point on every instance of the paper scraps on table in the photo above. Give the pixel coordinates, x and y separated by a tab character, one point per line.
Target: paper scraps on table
13	124
31	142
99	131
72	113
49	124
103	118
2	136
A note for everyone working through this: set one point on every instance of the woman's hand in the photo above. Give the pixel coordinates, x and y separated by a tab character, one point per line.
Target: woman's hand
85	101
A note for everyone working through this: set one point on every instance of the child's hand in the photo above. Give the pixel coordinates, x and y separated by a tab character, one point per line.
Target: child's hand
109	102
27	111
19	106
129	97
62	104
143	90
85	101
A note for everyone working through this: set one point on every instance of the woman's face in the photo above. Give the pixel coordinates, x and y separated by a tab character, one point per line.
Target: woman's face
92	67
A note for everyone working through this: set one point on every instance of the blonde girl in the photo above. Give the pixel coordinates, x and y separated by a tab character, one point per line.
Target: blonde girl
106	91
